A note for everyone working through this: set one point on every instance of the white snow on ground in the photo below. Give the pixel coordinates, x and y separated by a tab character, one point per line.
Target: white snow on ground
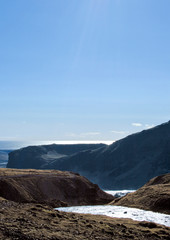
121	212
119	193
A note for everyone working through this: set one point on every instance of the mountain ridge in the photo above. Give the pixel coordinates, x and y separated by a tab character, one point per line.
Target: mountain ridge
125	164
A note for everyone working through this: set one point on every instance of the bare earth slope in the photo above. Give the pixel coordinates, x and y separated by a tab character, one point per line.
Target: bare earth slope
51	187
39	222
28	219
154	196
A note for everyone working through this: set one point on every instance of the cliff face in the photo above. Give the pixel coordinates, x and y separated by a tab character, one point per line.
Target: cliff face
38	157
154	196
54	188
126	164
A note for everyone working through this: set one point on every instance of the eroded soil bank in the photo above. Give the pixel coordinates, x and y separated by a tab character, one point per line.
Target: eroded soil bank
39	222
153	196
50	187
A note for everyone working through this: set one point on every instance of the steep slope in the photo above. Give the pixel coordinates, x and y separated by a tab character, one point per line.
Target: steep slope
37	157
52	187
154	196
126	164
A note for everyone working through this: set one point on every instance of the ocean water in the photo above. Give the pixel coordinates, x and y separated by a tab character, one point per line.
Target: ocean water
11	145
3	163
3	158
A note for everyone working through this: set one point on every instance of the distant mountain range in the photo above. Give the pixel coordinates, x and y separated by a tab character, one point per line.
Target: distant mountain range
126	164
39	157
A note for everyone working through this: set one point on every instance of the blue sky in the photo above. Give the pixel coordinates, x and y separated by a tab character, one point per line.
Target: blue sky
83	69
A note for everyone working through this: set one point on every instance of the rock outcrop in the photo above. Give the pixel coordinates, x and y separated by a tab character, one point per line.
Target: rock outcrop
54	188
126	164
154	196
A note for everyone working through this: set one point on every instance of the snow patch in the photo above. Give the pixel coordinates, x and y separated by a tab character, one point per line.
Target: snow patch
118	193
121	212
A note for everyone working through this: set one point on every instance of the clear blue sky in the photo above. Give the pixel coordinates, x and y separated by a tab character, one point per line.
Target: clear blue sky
83	69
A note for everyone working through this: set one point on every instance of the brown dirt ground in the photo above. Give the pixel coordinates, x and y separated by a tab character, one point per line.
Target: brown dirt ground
154	196
50	187
40	222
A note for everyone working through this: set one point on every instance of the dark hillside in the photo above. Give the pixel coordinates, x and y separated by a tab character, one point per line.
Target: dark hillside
126	164
38	157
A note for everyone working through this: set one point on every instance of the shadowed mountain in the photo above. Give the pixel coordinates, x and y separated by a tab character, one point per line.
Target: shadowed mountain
38	157
126	164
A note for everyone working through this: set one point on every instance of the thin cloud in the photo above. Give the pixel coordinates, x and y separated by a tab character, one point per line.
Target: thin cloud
137	124
148	126
83	134
11	138
71	135
120	132
90	133
145	126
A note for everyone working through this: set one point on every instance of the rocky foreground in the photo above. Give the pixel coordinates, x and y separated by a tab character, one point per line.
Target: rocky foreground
50	187
27	221
154	196
28	198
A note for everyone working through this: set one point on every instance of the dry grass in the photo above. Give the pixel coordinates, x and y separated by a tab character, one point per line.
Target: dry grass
40	222
155	196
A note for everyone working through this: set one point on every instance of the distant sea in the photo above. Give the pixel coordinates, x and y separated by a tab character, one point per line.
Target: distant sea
11	145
